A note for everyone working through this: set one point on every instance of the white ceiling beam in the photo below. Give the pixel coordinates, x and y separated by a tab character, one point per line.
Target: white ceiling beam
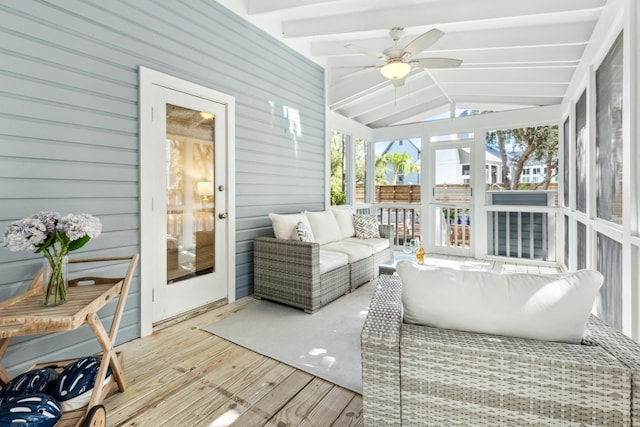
520	55
508	75
522	36
264	6
500	120
506	89
392	119
432	13
506	100
482	106
354	87
425	115
489	57
424	99
389	97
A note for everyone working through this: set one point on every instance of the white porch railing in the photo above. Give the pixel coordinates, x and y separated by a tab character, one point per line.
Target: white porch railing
405	218
525	232
514	231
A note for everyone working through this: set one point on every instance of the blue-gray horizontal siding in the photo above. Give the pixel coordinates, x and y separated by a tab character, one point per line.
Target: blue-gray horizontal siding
69	128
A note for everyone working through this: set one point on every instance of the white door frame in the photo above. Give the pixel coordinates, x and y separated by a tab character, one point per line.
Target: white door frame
149	78
429	201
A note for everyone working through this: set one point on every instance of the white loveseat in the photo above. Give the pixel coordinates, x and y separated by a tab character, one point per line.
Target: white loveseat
316	257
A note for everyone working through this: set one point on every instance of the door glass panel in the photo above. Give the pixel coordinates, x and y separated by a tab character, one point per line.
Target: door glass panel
190	193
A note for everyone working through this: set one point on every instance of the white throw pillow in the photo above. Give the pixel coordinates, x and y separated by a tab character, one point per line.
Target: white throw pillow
550	308
344	217
302	232
324	226
284	225
366	226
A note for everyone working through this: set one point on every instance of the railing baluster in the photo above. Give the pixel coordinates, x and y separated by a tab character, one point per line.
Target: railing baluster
544	237
519	234
496	233
532	235
508	234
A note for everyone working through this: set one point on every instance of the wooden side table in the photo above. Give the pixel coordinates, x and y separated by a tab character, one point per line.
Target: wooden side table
25	314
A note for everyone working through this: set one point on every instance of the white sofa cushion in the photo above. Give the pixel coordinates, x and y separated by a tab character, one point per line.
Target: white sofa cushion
354	251
285	224
324	226
344	217
376	245
330	260
551	308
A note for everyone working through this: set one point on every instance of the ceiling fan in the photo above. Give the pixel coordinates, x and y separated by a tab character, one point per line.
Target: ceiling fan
398	60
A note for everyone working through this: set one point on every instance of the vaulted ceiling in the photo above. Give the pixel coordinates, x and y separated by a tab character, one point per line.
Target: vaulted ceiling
515	53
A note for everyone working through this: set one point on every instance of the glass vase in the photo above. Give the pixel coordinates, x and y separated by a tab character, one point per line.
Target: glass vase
54	280
419	252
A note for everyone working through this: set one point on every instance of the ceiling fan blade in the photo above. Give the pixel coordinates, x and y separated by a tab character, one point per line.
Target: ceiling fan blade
367	52
437	63
398	82
422	42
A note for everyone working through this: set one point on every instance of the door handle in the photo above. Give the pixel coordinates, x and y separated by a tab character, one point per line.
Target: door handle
223	215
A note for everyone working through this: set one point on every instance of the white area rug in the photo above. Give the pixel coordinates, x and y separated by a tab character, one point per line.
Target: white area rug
325	344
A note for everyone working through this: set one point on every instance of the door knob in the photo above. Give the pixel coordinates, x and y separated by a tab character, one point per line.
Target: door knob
223	215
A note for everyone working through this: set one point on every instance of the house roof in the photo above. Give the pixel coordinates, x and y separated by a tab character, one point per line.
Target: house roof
515	54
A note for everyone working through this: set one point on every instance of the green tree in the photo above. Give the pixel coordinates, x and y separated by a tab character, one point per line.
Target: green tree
540	142
361	157
337	181
399	162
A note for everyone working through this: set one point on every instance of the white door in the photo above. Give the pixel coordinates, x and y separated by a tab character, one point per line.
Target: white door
450	198
189	203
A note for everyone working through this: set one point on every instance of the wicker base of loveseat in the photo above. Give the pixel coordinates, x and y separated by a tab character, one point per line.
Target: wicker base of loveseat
297	294
287	272
361	272
418	375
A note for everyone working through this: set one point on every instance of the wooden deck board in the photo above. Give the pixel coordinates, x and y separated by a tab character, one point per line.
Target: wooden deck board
301	405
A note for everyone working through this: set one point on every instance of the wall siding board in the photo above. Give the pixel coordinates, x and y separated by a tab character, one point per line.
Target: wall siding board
69	129
11	167
12	125
19	147
10	210
55	74
45	92
62	188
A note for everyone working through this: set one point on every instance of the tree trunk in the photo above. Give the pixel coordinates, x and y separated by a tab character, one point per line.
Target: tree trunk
547	175
523	159
506	168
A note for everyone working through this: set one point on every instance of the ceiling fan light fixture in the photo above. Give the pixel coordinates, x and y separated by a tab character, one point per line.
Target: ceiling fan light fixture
395	70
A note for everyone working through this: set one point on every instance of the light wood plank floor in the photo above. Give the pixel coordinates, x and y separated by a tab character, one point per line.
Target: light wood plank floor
183	376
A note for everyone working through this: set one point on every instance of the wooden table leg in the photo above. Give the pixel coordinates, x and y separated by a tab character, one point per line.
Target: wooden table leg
109	356
4	375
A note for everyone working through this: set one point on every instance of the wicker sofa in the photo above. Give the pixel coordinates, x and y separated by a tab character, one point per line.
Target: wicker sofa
289	271
417	375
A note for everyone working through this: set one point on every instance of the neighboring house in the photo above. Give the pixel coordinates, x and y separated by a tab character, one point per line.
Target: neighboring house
456	164
535	172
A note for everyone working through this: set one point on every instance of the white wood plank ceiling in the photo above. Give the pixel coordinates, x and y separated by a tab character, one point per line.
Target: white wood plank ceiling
515	53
